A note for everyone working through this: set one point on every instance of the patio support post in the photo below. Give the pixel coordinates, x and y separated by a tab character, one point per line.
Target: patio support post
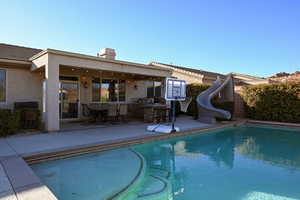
51	95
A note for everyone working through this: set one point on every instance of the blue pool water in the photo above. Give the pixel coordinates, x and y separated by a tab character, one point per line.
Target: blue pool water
242	163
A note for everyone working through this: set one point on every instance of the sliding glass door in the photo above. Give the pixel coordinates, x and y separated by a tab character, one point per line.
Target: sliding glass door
69	99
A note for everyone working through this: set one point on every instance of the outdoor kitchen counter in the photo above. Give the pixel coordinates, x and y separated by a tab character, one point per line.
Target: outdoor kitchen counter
149	111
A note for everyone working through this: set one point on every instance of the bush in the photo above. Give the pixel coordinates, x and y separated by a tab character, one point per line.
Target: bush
225	105
193	90
273	102
30	118
9	122
30	114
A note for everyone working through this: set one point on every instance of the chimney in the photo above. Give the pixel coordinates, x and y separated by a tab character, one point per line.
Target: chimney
107	53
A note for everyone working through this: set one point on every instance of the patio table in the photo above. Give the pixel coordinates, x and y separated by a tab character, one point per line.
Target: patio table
98	111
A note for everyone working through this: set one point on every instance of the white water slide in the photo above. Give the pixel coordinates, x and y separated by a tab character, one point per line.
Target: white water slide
223	90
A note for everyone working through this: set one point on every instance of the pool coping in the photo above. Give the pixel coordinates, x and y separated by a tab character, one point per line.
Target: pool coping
272	123
65	152
23	181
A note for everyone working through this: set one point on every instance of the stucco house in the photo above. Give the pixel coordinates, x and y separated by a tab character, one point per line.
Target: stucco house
62	81
44	76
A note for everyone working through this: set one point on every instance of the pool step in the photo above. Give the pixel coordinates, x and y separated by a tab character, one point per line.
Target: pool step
151	184
159	172
154	188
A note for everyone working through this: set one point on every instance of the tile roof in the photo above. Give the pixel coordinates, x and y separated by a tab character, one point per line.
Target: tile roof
205	73
13	52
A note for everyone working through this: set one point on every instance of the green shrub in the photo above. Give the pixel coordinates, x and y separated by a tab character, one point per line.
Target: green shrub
30	114
193	90
273	102
225	105
9	122
30	124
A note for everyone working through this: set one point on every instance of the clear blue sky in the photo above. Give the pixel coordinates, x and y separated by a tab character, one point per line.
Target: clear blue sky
257	37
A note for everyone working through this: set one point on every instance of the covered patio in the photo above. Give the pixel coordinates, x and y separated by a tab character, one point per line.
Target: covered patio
71	81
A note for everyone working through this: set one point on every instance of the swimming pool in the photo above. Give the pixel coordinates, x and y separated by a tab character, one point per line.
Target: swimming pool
240	163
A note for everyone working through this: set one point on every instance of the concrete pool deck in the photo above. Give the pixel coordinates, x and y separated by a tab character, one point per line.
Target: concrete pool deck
19	181
40	143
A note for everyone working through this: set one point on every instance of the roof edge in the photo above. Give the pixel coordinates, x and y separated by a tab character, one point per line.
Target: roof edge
248	76
96	58
5	60
19	46
156	64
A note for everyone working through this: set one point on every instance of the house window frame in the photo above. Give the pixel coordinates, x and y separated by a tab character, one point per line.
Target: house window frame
153	86
79	93
91	82
103	78
6	84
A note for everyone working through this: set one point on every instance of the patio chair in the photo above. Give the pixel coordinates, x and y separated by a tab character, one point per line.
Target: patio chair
31	118
88	112
85	110
123	111
112	113
104	113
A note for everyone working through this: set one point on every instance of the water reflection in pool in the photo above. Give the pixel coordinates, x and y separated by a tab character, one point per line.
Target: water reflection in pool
236	164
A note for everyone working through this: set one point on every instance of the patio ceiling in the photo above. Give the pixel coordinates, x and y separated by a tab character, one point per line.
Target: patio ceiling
76	71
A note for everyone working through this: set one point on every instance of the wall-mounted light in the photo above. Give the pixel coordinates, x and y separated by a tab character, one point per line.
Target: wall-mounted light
84	82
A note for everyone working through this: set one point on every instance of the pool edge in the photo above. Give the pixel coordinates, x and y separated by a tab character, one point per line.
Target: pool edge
61	153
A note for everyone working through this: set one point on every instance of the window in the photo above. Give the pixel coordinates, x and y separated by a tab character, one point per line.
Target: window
108	90
153	89
157	89
2	85
96	88
122	90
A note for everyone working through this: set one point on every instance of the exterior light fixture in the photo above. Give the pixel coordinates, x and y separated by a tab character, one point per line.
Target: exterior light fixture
84	82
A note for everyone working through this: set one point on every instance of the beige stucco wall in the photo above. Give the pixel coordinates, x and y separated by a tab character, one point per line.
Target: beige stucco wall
22	85
190	78
187	77
209	80
139	92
